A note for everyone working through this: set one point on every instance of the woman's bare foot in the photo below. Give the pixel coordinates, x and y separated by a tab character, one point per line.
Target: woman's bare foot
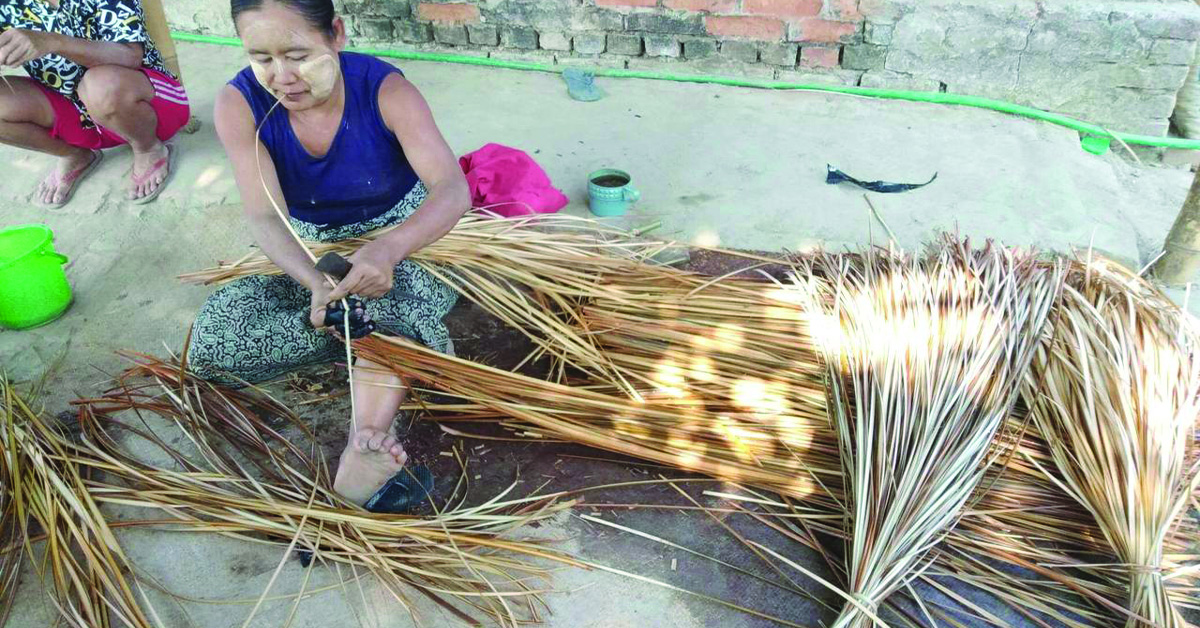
150	170
56	188
370	460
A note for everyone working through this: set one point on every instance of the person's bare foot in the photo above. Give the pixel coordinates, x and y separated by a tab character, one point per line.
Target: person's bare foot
370	460
150	170
56	188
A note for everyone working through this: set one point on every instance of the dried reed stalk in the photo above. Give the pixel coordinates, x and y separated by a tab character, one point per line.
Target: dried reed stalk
1116	392
82	560
248	480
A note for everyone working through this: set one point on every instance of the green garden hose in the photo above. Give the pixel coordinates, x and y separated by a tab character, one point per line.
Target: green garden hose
1095	138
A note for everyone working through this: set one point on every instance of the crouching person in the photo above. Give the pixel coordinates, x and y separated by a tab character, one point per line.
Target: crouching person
95	81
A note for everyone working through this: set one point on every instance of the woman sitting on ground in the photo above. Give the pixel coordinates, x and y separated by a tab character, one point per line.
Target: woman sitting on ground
348	145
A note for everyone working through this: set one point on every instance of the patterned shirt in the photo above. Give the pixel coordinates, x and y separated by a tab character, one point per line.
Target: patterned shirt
114	21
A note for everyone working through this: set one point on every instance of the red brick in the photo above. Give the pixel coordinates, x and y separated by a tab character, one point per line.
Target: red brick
783	8
457	12
763	28
844	10
626	3
711	6
816	57
818	31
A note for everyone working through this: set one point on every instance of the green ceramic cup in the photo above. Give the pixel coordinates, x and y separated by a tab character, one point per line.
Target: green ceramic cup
610	192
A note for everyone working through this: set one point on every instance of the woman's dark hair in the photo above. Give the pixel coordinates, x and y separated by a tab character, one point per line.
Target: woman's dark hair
318	13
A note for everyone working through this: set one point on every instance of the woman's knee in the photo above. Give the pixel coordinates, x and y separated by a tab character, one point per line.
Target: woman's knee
203	359
107	90
257	325
212	332
21	100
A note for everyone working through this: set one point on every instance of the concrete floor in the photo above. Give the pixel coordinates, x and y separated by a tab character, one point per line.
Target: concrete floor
716	165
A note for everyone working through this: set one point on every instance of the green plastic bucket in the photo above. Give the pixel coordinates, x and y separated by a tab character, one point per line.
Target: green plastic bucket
33	284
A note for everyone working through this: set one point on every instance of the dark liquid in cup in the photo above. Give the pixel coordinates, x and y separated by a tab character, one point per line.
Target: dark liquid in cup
611	181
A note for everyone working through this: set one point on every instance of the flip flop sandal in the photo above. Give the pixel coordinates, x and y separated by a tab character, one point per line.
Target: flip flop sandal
404	492
398	496
581	85
167	162
72	179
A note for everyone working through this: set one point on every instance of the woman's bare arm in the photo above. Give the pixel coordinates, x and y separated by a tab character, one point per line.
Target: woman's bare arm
19	46
407	114
235	127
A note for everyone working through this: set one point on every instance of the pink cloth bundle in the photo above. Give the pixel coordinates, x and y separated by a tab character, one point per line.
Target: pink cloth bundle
508	182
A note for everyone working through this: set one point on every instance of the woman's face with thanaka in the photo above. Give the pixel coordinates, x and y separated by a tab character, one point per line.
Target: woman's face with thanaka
293	60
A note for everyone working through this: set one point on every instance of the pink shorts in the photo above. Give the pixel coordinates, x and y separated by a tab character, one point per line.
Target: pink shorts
170	104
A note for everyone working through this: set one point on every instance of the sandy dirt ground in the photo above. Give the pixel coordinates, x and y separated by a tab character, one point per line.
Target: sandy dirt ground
716	165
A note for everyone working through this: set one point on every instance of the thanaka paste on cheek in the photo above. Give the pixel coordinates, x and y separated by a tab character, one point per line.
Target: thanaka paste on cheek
260	74
320	74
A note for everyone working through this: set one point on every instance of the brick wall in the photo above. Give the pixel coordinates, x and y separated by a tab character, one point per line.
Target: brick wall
758	38
1117	62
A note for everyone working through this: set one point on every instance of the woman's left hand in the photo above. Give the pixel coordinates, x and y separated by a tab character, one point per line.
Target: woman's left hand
371	275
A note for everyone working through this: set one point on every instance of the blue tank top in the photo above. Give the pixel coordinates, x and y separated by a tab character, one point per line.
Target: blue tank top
364	174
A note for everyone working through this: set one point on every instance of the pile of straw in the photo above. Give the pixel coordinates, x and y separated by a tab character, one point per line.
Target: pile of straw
83	564
723	376
243	478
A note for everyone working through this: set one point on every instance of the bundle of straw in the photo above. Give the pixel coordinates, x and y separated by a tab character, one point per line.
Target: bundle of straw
925	356
83	560
1116	392
683	437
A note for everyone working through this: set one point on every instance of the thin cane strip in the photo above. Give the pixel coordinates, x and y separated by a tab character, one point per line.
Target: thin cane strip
258	151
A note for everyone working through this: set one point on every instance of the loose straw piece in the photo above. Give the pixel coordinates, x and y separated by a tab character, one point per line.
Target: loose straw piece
312	257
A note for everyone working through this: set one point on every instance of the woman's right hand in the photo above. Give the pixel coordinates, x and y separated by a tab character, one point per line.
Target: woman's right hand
320	300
